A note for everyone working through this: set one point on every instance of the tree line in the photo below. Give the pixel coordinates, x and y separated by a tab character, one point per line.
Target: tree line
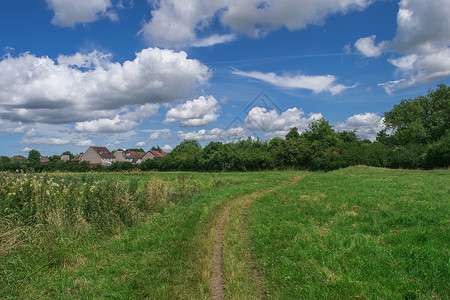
416	135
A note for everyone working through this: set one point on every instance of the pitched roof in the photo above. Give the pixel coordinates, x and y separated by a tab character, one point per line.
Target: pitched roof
159	153
135	155
77	158
18	157
132	155
103	152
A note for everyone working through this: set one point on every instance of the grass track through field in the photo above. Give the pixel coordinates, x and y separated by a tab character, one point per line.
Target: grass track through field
234	275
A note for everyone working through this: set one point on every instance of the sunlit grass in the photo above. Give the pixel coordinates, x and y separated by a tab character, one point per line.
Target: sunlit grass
45	220
162	255
353	233
359	232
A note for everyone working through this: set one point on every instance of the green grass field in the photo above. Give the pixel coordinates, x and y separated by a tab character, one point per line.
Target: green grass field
354	233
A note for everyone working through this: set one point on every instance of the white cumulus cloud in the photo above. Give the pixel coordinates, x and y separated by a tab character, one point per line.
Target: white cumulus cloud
194	113
278	124
27	149
69	13
180	22
84	143
368	48
203	135
419	69
422	42
232	134
365	125
38	89
118	124
167	148
140	144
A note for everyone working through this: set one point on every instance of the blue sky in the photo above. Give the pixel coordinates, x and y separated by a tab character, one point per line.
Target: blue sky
125	74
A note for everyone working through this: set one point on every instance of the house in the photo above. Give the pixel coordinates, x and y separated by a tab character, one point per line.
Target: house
18	158
119	155
153	154
65	157
44	160
98	156
77	158
129	156
133	157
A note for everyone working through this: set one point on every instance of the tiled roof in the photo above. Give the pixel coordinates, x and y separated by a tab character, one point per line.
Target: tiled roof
159	153
133	154
18	157
77	158
103	152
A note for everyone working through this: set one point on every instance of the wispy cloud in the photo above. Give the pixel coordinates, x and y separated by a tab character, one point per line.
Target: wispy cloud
317	84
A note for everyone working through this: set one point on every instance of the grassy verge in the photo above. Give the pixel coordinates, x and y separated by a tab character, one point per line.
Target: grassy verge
355	233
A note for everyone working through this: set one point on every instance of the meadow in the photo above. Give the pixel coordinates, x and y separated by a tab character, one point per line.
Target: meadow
359	232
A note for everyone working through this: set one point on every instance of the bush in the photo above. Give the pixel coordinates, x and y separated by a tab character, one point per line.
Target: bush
438	154
407	157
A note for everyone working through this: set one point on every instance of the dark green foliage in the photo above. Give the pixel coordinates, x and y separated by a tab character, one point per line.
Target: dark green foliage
293	134
438	153
419	128
34	156
122	166
421	120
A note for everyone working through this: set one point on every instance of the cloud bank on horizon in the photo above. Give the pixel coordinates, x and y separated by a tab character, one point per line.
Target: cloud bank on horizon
90	97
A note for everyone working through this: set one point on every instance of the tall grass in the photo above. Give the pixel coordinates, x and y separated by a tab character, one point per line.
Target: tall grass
44	218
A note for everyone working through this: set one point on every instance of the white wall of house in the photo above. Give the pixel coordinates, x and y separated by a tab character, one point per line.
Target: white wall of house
91	156
119	156
107	161
148	155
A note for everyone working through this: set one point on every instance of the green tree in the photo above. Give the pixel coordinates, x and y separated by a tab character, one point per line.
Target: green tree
292	134
323	142
419	127
187	156
34	156
438	153
55	158
422	120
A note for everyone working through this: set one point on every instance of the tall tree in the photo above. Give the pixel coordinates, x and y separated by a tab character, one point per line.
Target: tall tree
34	156
421	120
